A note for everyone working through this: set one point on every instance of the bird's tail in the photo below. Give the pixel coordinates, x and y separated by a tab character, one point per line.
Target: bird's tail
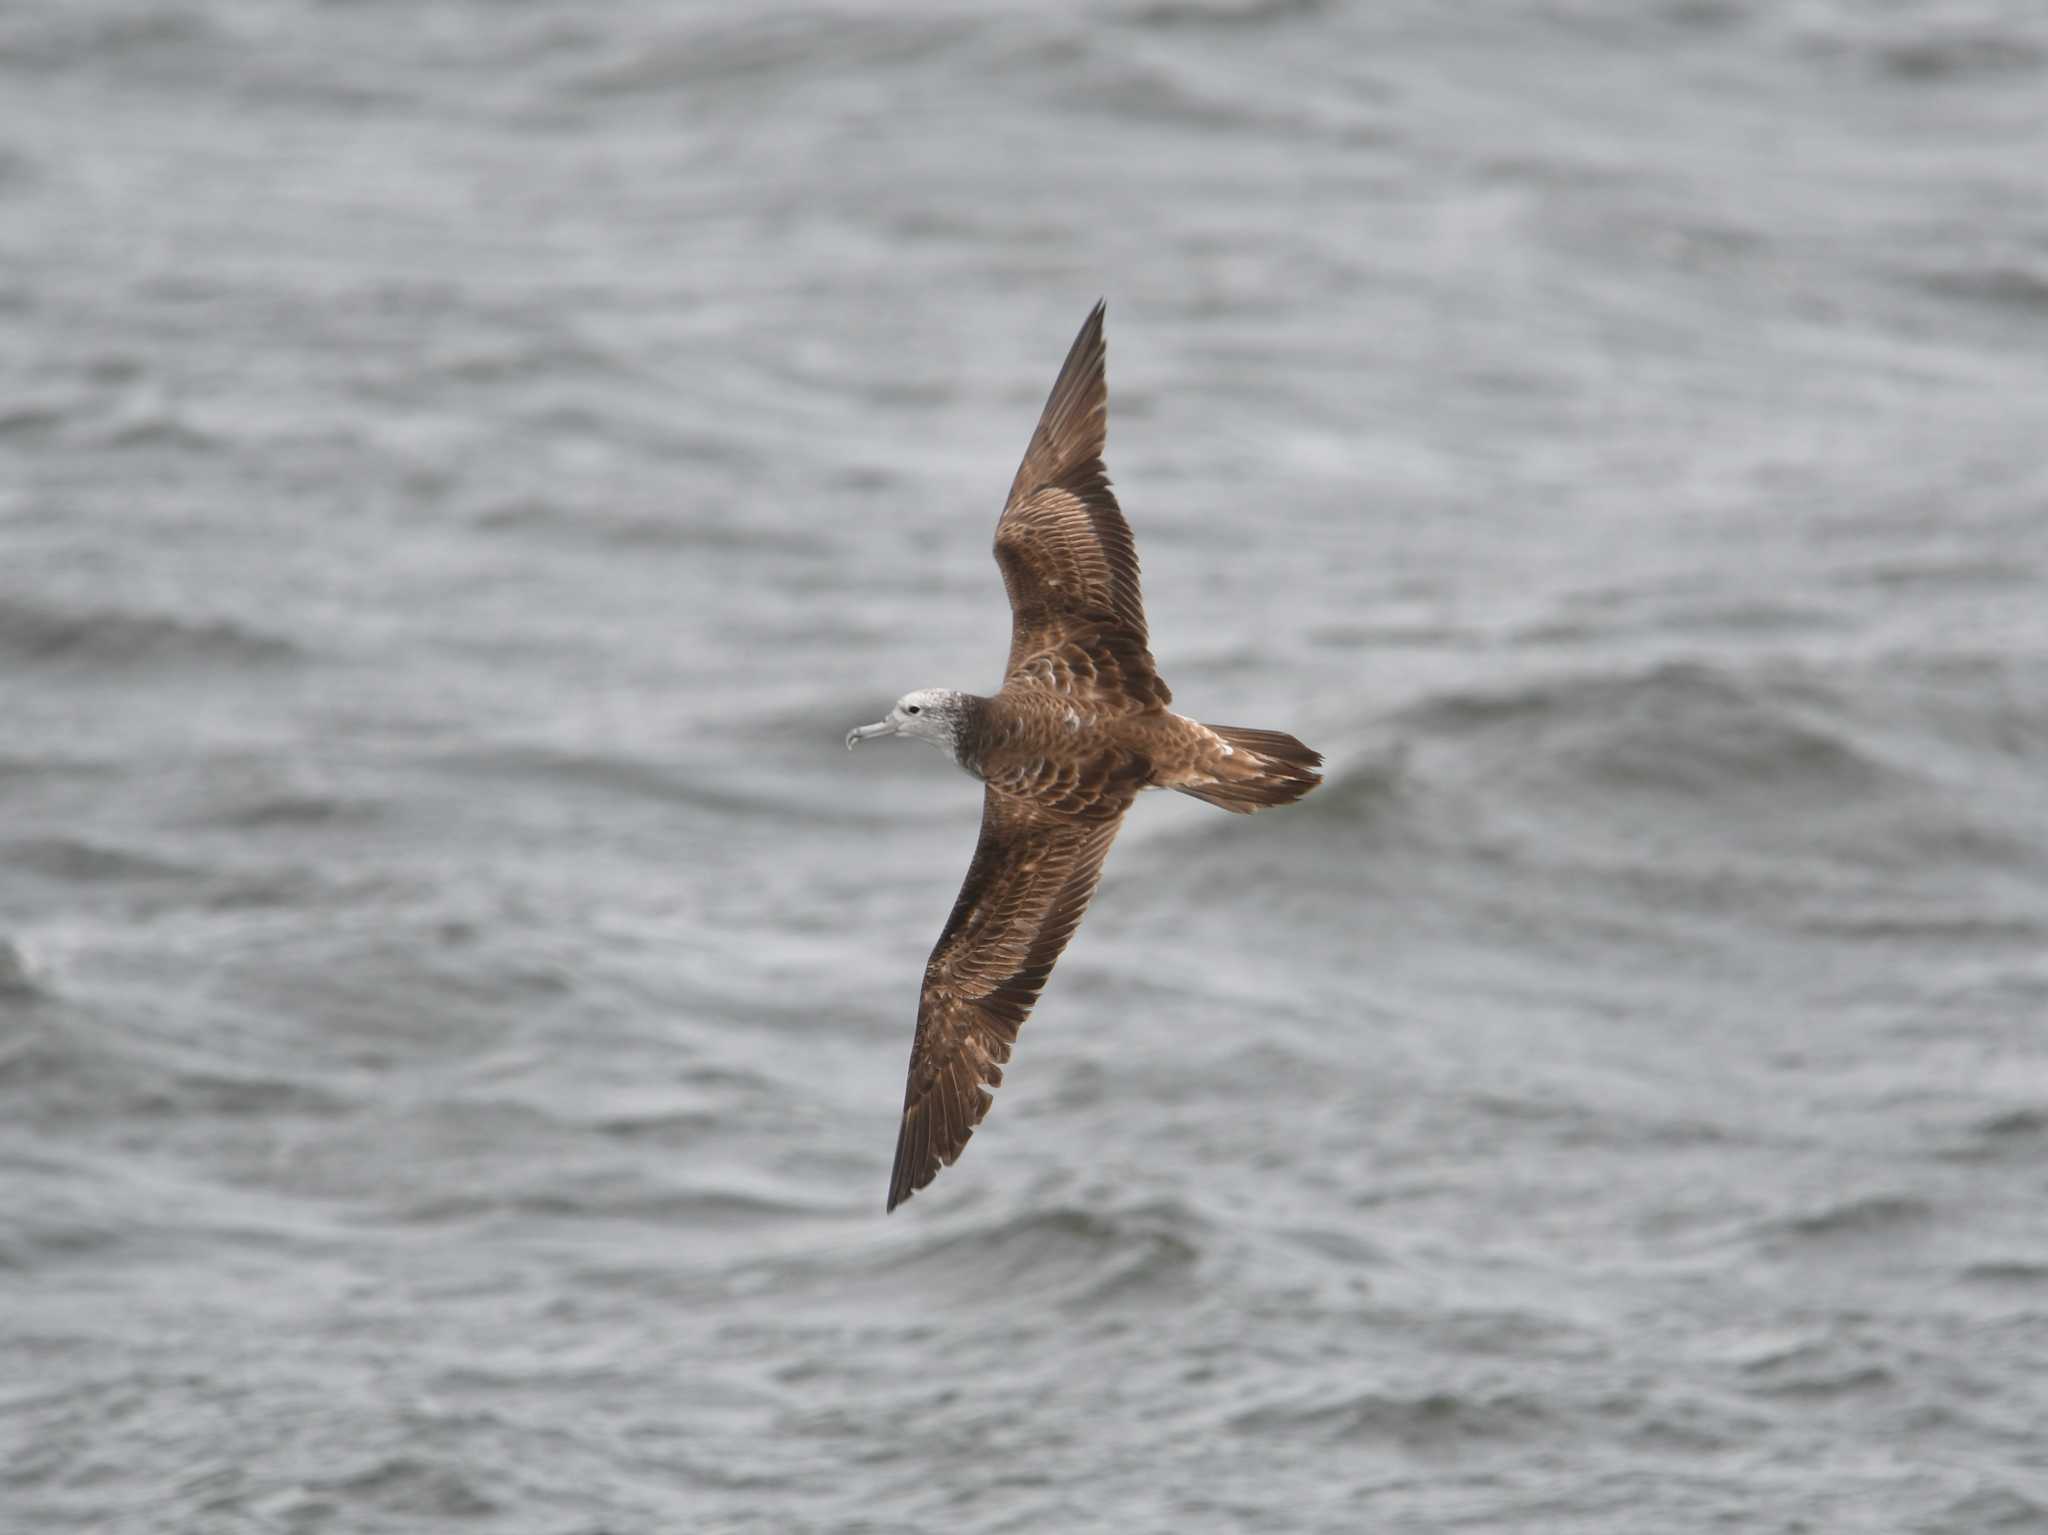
1255	769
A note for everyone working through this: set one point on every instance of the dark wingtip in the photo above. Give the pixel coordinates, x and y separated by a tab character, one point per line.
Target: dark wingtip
1088	339
1091	328
902	1186
898	1192
913	1157
1075	416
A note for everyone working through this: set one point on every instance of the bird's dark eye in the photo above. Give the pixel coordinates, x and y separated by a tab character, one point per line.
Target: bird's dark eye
910	708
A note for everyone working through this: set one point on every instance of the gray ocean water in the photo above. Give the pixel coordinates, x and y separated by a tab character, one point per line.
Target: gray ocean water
463	467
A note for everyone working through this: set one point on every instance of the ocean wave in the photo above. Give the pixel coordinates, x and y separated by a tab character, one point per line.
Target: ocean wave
1993	1508
37	633
19	980
1061	1255
78	861
1829	1365
2029	1124
1681	729
1868	1218
674	1129
1940	53
1079	1255
244	1095
155	426
2019	1135
71	38
615	775
529	515
82	1072
763	51
2007	1273
33	420
1823	1383
2014	285
1423	1420
700	1209
1224	14
288	809
31	766
34	1243
1943	926
409	1485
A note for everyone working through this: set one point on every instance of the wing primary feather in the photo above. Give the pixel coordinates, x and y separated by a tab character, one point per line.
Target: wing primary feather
1073	423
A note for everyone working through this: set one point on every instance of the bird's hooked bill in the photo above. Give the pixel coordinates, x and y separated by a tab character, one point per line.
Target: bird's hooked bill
862	733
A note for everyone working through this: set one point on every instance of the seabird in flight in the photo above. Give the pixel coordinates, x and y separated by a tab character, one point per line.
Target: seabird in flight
1081	723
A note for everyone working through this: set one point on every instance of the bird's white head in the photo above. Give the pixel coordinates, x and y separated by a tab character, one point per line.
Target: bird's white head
937	715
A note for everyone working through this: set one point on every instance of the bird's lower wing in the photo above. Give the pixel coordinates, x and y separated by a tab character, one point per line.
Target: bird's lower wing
1029	882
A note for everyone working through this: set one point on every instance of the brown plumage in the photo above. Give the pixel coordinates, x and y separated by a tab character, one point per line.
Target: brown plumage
1079	726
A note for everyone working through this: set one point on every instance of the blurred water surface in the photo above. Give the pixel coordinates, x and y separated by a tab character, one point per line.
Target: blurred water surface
462	469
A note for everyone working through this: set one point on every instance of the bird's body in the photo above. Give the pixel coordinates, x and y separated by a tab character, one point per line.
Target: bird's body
1080	725
1034	741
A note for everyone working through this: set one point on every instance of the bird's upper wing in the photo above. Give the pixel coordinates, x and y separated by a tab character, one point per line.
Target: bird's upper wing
1026	888
1068	561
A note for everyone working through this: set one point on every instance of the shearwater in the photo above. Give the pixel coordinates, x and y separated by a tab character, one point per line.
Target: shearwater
1079	726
